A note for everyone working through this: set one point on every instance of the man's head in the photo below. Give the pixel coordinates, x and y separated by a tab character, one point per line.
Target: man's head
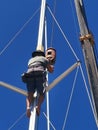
38	53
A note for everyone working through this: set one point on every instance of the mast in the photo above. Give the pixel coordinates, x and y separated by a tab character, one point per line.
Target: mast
41	26
87	42
33	118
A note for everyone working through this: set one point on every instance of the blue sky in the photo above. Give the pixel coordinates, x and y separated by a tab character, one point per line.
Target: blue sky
13	62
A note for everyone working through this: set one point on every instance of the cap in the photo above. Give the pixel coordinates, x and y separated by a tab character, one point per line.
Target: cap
38	53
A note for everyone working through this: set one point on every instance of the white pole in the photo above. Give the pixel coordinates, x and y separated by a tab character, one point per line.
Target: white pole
18	90
41	26
33	118
47	93
64	74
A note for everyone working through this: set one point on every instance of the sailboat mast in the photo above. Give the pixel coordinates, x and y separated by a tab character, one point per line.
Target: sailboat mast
33	125
87	42
41	26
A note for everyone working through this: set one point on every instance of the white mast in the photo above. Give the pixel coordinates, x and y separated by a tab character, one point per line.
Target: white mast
41	26
33	118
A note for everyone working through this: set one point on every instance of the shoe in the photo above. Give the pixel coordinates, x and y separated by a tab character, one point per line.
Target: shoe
37	110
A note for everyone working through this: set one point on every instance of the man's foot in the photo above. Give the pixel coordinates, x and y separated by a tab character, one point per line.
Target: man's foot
37	110
28	113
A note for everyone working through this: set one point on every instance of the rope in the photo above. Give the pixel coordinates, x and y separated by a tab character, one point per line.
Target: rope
17	121
21	29
49	121
63	34
70	99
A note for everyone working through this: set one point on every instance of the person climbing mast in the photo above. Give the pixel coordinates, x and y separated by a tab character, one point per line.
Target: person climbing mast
35	79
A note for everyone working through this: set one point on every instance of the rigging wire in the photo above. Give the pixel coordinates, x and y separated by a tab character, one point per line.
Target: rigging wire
47	94
49	121
75	25
54	10
21	29
74	19
13	125
63	34
70	99
88	93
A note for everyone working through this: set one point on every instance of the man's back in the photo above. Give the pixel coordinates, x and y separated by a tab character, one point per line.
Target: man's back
38	63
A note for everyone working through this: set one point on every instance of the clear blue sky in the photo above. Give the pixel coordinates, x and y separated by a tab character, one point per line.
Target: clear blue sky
13	62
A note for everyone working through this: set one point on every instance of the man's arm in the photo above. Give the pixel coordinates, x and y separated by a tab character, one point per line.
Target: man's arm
50	68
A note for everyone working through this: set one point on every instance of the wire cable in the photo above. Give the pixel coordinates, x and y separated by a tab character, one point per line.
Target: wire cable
63	34
70	99
13	125
47	77
89	97
75	26
54	10
21	29
49	121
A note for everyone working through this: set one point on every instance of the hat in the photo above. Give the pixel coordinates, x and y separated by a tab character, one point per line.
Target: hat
38	53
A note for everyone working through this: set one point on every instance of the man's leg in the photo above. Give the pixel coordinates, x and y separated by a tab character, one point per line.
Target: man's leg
29	101
40	101
40	85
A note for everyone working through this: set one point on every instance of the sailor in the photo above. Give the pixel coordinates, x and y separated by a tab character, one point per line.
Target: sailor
36	79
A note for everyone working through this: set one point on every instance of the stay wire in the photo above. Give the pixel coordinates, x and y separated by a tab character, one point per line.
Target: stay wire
49	121
88	93
13	125
70	99
63	34
21	29
54	10
75	25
